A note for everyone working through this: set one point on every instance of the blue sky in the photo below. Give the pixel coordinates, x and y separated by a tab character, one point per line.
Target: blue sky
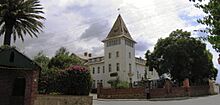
80	25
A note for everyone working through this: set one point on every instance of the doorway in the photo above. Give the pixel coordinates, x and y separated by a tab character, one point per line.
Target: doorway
18	91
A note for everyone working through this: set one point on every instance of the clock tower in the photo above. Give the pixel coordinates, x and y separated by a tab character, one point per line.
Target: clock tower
119	51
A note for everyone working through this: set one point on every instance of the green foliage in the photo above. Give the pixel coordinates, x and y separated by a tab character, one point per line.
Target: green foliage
212	21
123	84
52	70
75	80
215	41
113	83
183	57
42	60
118	84
20	17
64	59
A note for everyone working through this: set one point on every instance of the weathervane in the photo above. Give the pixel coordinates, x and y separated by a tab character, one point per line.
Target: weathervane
118	10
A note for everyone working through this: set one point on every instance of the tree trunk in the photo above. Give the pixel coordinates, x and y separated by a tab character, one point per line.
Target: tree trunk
8	33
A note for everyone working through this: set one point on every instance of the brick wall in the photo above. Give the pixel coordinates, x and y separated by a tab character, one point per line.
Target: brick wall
7	78
138	93
129	93
5	87
199	90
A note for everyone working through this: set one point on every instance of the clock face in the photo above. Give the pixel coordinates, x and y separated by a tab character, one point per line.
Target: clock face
116	29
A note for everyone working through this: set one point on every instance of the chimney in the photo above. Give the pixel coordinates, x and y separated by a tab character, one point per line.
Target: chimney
85	54
90	55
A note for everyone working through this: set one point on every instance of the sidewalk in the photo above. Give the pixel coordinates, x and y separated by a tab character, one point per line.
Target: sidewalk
153	99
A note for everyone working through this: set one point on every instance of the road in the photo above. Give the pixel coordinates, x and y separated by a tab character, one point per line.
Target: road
209	100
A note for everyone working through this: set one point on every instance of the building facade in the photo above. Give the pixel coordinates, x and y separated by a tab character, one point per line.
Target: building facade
119	57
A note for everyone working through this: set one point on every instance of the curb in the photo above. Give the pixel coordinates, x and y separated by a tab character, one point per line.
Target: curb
170	99
153	99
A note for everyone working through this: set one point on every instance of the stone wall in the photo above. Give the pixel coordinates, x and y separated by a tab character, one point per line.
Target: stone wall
62	100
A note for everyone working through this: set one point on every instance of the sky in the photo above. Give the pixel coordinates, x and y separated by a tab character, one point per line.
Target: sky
81	25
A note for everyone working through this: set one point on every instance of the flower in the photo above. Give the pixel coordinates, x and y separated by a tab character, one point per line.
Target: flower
77	68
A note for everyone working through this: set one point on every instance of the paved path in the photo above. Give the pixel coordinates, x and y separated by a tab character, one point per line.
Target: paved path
209	100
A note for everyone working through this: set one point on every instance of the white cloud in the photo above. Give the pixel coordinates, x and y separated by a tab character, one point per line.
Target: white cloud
147	20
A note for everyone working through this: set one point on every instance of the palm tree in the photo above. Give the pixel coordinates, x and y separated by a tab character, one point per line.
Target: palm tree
20	17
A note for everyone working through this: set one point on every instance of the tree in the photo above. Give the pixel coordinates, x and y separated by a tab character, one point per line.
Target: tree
182	57
42	60
46	75
64	59
212	21
20	17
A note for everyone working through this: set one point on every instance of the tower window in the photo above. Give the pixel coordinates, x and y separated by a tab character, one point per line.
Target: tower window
129	67
109	55
93	70
117	66
129	54
117	54
129	43
109	67
98	70
103	68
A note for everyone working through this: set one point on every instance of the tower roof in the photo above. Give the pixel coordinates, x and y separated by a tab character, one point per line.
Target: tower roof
119	29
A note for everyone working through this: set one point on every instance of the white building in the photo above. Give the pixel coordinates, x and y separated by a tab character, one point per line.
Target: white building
119	56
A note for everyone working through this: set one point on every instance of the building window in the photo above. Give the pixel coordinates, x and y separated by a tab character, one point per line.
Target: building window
101	81
103	68
93	85
117	54
98	70
113	42
109	67
129	67
93	70
138	75
117	66
129	54
109	55
129	43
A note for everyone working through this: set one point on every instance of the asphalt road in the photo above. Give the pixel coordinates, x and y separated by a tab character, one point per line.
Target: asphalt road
208	100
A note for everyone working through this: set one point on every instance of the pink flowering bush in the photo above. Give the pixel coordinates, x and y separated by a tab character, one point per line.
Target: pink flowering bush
75	80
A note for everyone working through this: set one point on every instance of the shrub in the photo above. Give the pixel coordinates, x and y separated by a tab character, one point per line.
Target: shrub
118	84
123	84
48	81
75	80
114	82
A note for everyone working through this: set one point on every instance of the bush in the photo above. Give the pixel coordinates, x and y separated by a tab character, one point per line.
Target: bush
113	83
75	80
118	84
48	81
123	84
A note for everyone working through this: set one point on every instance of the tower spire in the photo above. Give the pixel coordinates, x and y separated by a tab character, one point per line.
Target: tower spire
119	29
